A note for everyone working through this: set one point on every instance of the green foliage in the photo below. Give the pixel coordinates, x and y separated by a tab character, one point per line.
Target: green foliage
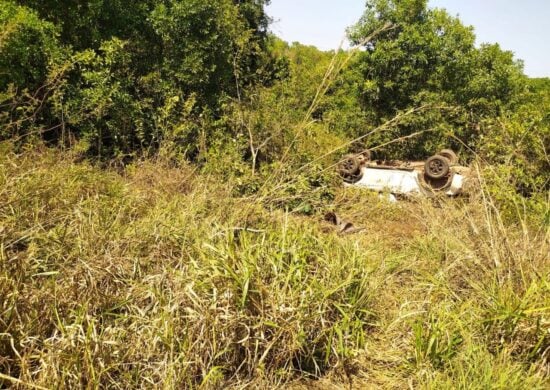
33	66
199	40
420	53
28	48
515	147
434	343
101	105
87	25
126	66
428	58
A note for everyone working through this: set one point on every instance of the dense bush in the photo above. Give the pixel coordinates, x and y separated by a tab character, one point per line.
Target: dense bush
128	69
30	59
427	58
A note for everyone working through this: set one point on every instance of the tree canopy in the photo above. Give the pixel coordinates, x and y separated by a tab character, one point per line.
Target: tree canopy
428	57
120	67
122	78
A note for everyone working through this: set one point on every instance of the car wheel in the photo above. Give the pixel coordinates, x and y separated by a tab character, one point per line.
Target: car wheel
436	167
349	166
449	155
367	155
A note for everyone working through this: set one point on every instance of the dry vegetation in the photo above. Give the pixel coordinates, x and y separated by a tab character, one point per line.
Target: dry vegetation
165	169
156	277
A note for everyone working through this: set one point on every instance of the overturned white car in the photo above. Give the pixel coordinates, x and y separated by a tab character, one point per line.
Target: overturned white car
438	174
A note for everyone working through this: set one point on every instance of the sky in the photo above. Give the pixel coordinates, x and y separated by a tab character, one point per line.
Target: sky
522	27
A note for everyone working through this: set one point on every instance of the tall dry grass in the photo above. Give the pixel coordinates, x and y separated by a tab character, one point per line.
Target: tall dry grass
157	277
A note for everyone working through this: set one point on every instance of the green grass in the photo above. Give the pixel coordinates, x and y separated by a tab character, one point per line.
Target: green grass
159	277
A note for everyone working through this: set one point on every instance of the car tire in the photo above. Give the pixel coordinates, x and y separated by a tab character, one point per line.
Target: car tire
349	166
450	155
367	155
436	167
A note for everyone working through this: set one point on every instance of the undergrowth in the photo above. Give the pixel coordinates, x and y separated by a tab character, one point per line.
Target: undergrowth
156	276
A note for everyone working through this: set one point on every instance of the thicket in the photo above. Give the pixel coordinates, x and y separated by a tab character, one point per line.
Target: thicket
159	277
123	79
206	79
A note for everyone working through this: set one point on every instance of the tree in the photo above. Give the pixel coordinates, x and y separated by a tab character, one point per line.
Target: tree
429	58
31	68
28	46
86	24
131	68
202	35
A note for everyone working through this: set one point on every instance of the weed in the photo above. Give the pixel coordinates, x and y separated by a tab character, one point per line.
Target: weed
156	276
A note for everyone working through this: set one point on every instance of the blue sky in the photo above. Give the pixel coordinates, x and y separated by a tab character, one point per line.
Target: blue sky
520	26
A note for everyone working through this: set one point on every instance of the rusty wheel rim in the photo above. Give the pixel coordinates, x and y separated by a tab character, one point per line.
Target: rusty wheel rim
436	167
349	165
